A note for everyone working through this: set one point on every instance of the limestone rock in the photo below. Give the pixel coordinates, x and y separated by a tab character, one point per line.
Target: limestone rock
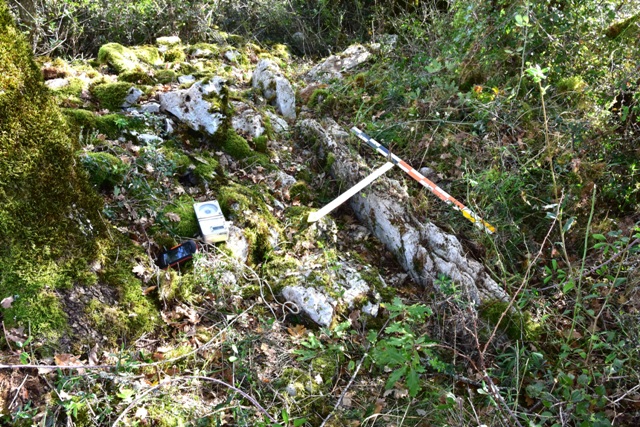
268	78
279	125
424	250
58	83
333	67
192	106
320	290
232	55
150	108
315	304
169	41
133	95
238	244
186	79
247	120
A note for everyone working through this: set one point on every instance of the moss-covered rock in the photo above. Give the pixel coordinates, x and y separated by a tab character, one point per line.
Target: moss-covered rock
111	125
516	325
175	54
50	225
204	50
236	146
105	170
260	143
111	95
39	187
185	224
118	57
123	59
166	76
302	192
137	75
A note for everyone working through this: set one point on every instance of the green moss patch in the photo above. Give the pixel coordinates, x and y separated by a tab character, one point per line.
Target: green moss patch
166	76
111	95
123	59
105	170
137	75
175	54
185	224
516	325
118	57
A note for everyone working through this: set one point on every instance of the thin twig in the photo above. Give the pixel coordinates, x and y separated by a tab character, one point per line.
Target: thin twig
133	403
613	258
250	398
18	391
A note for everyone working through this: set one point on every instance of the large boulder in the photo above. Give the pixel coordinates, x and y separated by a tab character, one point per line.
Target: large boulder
424	250
268	78
202	107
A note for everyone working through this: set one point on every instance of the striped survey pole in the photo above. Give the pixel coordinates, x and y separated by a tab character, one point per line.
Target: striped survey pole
430	185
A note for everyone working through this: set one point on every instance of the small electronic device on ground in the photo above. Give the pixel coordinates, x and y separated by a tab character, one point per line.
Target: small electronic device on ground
177	254
212	223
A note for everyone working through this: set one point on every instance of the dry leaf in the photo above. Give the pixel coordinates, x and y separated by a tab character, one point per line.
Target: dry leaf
149	290
172	216
66	359
15	335
297	331
6	303
347	400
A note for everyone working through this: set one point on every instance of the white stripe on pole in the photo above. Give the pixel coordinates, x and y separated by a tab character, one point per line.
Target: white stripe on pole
315	216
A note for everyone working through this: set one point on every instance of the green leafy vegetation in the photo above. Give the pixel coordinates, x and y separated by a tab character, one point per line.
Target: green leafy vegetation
527	111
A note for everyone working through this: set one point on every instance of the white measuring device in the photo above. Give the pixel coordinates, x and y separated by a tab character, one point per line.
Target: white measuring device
392	161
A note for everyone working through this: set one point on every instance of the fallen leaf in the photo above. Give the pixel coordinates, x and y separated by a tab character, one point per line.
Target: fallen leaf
347	400
66	359
297	331
6	303
149	290
15	335
172	216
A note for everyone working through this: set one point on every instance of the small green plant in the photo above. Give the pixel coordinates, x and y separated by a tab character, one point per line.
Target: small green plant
403	348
